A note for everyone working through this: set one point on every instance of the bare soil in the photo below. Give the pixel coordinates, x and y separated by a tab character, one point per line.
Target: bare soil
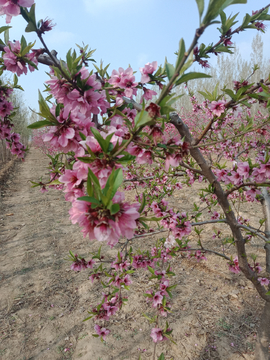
43	303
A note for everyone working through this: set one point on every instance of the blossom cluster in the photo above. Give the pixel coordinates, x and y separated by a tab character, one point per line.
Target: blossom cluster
12	139
16	63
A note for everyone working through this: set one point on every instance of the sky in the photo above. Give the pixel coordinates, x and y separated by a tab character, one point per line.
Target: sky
124	32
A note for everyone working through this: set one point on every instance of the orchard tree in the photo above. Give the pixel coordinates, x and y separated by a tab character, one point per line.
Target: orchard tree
108	140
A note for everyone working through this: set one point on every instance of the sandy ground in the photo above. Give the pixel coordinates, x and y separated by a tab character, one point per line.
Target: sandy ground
43	303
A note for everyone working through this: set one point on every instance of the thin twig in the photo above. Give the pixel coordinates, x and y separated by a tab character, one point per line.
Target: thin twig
252	231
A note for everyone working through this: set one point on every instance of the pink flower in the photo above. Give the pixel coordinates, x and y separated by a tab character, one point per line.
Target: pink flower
11	61
147	94
12	7
157	299
215	216
235	178
147	70
234	266
251	194
127	281
264	281
90	264
218	107
124	79
101	331
173	160
199	256
71	180
157	335
100	225
170	242
243	169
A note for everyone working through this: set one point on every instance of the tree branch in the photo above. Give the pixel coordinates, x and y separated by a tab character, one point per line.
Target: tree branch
244	185
207	250
231	137
253	231
210	222
266	211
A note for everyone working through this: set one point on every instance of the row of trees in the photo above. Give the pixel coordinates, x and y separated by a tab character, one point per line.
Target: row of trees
226	69
21	119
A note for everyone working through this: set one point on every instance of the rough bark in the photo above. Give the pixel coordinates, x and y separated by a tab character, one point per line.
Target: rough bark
263	336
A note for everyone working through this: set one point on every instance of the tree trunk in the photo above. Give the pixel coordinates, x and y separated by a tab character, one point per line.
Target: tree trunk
263	337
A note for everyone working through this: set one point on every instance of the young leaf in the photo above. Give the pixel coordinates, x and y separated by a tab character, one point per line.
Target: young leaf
170	70
191	76
100	140
162	357
39	124
200	4
89	199
83	137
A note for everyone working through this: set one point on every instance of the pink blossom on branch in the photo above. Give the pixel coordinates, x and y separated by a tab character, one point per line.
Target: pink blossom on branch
263	281
234	266
218	107
147	70
124	79
157	335
12	7
100	225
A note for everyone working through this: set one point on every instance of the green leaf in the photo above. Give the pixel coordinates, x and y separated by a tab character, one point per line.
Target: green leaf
4	28
45	110
181	52
170	70
188	63
100	140
86	159
142	118
268	293
246	21
96	184
83	137
89	186
88	318
152	271
23	44
6	36
114	181
39	124
24	13
31	14
89	199
30	27
191	76
126	159
216	6
55	182
230	93
162	357
153	218
69	60
115	208
142	204
200	4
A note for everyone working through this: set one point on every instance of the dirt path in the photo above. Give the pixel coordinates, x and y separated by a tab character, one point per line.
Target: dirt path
43	303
